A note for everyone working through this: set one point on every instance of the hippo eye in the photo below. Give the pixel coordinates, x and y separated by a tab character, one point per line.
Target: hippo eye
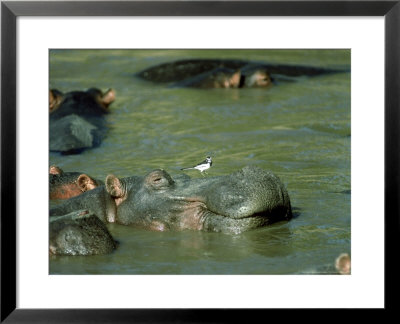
158	180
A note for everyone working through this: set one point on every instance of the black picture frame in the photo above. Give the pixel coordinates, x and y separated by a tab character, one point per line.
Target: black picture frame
10	10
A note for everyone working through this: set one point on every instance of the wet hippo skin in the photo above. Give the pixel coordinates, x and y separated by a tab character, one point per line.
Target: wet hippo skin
178	71
79	233
64	185
244	200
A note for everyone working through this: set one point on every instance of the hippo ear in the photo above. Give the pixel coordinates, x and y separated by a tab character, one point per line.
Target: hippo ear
235	80
55	98
86	183
55	170
108	97
343	264
114	186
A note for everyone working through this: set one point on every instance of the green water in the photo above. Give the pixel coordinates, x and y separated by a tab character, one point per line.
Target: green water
300	130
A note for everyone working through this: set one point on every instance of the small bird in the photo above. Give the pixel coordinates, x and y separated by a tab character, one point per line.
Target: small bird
202	166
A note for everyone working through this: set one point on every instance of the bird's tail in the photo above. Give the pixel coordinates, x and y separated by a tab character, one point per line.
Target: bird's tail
187	168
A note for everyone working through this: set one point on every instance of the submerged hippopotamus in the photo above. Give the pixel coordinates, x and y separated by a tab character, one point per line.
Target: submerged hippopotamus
255	76
217	78
77	119
64	185
249	77
79	233
252	74
246	199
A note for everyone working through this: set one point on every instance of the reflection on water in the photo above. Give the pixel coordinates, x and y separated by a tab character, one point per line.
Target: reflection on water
299	130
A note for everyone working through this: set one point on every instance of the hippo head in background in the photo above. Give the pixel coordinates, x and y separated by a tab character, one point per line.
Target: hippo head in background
255	76
92	100
258	79
225	78
244	200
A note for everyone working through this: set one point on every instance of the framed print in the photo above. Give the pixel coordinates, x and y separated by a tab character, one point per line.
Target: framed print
306	90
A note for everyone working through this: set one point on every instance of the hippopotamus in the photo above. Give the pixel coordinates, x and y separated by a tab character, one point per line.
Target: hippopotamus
55	98
64	185
177	71
79	233
249	77
77	119
255	76
244	200
217	78
343	264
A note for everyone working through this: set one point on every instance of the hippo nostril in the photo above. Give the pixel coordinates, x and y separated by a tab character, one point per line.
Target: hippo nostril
157	180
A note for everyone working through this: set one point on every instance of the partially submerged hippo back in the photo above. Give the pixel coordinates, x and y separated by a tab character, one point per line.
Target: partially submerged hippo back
178	71
247	199
183	69
79	233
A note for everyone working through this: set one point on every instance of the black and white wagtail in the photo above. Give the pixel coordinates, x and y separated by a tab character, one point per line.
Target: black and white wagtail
202	166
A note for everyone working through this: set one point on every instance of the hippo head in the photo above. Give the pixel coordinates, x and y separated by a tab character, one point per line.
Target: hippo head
103	99
227	79
92	99
64	185
255	76
246	199
234	80
258	79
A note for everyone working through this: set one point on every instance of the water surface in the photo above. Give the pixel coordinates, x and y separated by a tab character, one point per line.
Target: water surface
299	130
